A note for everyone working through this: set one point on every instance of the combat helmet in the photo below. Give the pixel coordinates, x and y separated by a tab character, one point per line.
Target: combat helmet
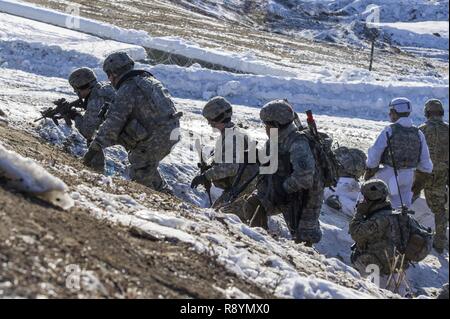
277	113
118	63
82	78
352	162
401	105
218	110
375	190
433	106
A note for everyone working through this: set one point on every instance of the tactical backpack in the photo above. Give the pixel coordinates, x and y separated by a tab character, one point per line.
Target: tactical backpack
321	146
412	238
326	161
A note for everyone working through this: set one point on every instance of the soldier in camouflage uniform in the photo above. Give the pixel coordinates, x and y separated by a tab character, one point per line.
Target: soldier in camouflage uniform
296	188
223	173
375	243
436	132
352	163
410	153
142	119
96	97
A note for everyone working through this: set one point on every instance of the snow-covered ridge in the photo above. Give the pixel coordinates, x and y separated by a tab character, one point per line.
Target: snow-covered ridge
350	95
338	21
410	36
243	63
52	51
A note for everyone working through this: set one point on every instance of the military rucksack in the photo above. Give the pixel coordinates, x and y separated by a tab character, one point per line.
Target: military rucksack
412	239
325	158
352	162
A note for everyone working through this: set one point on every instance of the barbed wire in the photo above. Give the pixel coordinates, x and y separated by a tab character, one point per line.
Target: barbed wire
155	57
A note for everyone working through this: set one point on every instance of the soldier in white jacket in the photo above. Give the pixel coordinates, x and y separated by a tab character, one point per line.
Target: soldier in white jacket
410	153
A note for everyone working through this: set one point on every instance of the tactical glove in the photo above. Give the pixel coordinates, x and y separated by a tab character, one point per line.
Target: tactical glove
199	180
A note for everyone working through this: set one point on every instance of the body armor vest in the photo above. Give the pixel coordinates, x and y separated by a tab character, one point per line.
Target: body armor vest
406	147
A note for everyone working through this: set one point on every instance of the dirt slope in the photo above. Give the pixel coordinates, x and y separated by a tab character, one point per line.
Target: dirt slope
38	242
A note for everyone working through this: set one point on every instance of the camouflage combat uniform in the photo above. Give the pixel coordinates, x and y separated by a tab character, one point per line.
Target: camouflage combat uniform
88	123
373	238
436	132
371	231
229	171
141	119
352	162
296	189
101	95
223	175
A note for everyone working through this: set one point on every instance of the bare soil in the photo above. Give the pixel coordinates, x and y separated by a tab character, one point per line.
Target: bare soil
38	242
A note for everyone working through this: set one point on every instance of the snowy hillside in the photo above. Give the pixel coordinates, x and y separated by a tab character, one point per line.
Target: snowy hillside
350	103
336	21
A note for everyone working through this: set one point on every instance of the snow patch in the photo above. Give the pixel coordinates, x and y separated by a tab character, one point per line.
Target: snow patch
26	175
240	62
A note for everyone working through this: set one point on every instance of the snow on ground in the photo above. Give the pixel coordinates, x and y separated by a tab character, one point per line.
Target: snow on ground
439	28
27	176
431	35
270	260
399	10
244	63
352	94
37	48
52	51
339	20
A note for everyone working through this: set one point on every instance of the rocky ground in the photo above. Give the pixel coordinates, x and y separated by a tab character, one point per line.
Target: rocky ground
39	242
171	18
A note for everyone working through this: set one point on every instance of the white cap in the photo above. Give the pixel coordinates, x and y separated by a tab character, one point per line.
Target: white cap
401	105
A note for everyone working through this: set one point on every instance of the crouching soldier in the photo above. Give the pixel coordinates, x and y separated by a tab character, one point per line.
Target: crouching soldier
388	239
370	229
436	132
352	163
230	168
142	118
296	188
96	98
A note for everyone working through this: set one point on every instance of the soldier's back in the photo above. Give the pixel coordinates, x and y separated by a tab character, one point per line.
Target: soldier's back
151	100
380	243
105	91
406	145
436	133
